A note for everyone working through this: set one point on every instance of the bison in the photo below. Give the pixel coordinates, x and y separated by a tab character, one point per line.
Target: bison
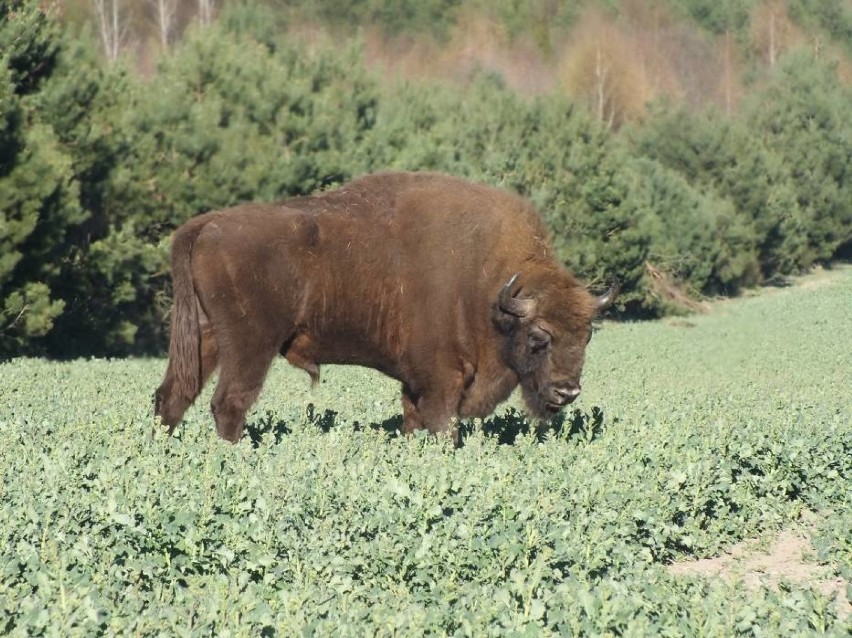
448	286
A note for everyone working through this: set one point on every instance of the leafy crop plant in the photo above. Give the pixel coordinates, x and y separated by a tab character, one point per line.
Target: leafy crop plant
691	435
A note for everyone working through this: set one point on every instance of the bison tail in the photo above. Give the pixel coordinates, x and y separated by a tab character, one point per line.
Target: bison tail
185	343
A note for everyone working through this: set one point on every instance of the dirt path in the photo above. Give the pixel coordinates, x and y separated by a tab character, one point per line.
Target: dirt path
786	558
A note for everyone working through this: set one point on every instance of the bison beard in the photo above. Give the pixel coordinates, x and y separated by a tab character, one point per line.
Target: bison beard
448	286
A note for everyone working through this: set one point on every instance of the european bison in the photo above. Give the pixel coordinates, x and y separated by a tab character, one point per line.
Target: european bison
448	286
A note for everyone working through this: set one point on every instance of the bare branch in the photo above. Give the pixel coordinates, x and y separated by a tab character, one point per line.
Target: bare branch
8	327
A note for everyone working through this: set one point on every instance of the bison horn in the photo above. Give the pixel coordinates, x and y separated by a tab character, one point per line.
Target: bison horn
513	305
606	299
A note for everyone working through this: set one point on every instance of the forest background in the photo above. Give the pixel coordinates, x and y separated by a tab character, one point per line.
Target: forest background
688	148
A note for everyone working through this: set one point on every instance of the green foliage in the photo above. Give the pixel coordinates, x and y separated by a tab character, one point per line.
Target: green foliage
536	19
103	278
694	236
227	120
263	22
832	16
783	165
323	521
728	158
28	311
719	16
61	290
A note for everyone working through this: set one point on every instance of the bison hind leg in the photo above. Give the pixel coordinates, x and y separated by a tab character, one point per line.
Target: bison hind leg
240	381
297	351
310	367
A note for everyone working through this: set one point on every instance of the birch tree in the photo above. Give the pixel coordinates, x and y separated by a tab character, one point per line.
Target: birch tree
205	11
111	26
164	17
772	31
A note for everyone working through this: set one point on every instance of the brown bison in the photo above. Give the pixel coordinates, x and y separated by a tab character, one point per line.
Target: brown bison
448	286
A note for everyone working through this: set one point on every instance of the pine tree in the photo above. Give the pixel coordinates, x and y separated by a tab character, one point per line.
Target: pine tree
38	193
802	115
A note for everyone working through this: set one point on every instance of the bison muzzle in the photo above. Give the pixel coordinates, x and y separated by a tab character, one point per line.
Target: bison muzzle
448	286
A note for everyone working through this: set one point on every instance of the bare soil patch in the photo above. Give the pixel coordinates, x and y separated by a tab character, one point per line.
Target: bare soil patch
675	293
786	558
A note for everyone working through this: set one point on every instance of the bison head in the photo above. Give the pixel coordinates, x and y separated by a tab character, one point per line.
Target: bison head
547	325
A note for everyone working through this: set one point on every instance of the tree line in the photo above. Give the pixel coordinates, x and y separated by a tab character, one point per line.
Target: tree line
99	163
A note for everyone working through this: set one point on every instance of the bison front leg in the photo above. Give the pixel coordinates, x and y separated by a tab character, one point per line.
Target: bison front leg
435	410
411	420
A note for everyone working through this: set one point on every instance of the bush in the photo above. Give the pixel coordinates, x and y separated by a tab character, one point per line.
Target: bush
727	157
260	124
783	164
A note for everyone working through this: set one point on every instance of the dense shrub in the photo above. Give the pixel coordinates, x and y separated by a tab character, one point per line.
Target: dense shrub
72	265
393	16
784	164
728	158
107	165
226	119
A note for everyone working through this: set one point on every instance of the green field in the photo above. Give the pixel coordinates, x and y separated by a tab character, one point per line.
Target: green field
691	435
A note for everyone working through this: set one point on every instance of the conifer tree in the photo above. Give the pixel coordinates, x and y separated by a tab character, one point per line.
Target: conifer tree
803	117
38	194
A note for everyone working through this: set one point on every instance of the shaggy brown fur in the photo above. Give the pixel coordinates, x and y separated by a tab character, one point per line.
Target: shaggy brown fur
407	273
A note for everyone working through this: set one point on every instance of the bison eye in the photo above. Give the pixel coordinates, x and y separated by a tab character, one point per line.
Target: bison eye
538	339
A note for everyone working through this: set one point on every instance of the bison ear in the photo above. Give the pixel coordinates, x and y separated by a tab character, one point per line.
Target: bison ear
607	299
539	339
